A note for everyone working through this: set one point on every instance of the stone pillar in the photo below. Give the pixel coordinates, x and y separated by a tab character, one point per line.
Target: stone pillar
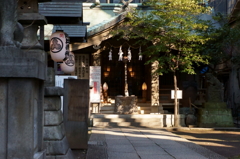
156	108
55	139
21	117
21	104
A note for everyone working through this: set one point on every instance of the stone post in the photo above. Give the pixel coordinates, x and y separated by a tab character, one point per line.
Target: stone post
55	139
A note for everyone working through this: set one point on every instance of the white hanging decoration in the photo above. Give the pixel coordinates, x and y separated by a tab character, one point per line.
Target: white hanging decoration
59	42
110	55
68	65
129	57
120	53
105	86
140	54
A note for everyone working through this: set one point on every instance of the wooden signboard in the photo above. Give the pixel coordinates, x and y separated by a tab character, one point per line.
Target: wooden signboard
82	66
75	110
95	82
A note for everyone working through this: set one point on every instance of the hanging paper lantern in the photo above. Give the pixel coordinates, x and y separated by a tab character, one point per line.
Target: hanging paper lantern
105	86
144	86
59	42
68	65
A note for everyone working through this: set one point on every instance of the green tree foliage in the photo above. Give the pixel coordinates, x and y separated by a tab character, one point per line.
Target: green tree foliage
177	32
225	43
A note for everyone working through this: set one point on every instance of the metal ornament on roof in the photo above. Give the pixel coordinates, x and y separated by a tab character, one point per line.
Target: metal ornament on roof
68	65
59	46
96	47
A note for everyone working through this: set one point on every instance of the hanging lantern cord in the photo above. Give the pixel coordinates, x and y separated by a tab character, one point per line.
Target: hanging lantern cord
122	45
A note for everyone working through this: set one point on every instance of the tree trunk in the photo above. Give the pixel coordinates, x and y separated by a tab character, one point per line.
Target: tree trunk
176	119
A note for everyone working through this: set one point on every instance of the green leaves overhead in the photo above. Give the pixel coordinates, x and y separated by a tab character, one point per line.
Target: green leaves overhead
225	43
176	29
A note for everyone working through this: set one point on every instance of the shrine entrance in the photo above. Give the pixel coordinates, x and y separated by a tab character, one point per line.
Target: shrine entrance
116	73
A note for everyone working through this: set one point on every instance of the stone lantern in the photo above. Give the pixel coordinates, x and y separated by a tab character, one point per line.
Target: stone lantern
23	69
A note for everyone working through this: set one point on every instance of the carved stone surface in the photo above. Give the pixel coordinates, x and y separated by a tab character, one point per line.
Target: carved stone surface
52	103
53	118
57	147
50	79
215	114
55	139
54	91
214	89
8	21
126	105
22	77
56	132
30	40
155	85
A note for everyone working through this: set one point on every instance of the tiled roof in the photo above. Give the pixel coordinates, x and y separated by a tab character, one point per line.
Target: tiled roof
61	9
73	30
105	24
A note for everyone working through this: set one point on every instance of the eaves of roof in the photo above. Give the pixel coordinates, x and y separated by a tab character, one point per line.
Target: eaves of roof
61	9
96	29
235	11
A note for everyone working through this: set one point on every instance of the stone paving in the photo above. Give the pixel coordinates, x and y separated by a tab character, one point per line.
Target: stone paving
143	143
225	142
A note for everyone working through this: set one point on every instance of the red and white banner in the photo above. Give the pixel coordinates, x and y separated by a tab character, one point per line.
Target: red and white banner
95	82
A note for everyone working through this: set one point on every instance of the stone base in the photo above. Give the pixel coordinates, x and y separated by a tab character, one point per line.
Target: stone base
40	155
55	140
59	147
126	105
215	115
69	155
157	109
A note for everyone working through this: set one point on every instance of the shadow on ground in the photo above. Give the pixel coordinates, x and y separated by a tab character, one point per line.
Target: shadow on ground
225	143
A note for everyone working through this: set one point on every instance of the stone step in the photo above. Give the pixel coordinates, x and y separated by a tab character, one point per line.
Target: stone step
137	120
144	104
146	110
107	108
127	120
125	124
131	116
107	112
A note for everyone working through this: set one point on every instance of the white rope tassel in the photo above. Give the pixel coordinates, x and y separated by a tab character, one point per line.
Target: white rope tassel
120	53
129	55
140	54
110	55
